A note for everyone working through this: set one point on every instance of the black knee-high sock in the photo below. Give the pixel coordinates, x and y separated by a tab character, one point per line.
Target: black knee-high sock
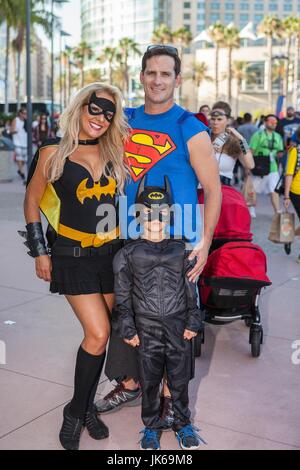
93	393
87	371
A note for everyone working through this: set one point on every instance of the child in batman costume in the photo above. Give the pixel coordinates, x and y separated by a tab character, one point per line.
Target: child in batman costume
74	202
156	311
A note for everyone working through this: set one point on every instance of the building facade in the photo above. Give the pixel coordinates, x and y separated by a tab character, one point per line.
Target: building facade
105	22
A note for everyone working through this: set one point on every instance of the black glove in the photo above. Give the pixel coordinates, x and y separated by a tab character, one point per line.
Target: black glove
34	239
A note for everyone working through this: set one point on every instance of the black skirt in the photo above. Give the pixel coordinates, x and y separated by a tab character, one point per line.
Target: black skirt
83	275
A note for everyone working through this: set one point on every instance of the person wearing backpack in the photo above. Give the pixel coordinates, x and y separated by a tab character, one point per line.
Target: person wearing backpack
165	140
267	147
292	182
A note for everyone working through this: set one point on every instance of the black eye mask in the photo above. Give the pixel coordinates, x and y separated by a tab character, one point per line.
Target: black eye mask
97	106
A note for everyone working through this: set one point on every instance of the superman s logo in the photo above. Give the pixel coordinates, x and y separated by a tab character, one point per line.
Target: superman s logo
144	149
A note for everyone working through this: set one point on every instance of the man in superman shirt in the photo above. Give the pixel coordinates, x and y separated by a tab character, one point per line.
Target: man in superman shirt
165	140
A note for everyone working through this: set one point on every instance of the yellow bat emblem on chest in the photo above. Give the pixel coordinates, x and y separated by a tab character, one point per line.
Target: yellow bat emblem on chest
83	192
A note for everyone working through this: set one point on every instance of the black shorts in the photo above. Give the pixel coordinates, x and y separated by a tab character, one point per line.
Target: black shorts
83	275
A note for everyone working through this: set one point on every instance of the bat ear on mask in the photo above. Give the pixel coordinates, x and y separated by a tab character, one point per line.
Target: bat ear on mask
168	188
141	188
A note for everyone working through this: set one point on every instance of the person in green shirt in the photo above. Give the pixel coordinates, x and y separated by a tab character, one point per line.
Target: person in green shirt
266	142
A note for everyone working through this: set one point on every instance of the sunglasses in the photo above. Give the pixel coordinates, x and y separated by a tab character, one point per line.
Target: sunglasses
217	114
162	47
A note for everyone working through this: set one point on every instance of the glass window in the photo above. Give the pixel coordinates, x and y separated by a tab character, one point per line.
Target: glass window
201	5
258	18
244	17
244	6
255	77
187	5
273	7
201	16
186	16
215	6
229	17
287	7
229	6
214	17
187	26
200	27
258	6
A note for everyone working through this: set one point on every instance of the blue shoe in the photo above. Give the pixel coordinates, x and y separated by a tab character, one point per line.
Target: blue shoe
150	440
188	438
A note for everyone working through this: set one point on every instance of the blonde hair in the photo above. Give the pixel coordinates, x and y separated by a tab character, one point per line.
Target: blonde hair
111	143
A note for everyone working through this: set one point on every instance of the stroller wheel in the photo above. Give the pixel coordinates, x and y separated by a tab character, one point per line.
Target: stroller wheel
287	248
248	322
255	340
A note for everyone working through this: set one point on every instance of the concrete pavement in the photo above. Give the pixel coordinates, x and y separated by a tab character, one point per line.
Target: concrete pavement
237	401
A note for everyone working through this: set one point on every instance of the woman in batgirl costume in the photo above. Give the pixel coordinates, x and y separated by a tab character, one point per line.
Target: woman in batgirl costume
75	182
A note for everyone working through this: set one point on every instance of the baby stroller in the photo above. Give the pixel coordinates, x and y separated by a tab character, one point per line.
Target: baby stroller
235	272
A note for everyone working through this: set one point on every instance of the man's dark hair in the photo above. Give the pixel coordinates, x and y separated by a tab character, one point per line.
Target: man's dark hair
247	117
21	110
203	106
161	49
224	106
271	115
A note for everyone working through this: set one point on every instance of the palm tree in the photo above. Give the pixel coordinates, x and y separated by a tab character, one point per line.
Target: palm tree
38	17
278	73
270	27
7	9
198	75
182	38
126	47
231	41
288	28
216	32
296	24
110	55
162	35
240	73
82	53
93	75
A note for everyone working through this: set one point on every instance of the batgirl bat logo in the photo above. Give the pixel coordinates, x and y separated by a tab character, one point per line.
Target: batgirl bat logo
144	149
96	190
156	196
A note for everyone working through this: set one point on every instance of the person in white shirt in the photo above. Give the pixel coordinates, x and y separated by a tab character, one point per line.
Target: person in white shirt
19	136
229	144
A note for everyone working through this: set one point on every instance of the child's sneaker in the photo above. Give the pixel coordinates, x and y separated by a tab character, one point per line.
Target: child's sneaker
188	438
150	440
298	259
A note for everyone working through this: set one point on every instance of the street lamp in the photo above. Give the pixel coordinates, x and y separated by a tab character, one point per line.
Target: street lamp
62	34
52	58
28	86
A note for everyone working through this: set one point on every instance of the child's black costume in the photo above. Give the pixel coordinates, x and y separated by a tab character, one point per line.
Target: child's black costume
155	300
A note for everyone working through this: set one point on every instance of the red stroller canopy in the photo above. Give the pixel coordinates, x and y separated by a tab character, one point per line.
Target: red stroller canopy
235	220
240	260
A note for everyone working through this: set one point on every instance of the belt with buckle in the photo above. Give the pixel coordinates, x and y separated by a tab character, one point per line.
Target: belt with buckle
78	252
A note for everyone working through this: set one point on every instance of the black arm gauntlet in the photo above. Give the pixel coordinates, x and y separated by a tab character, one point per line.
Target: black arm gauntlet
35	239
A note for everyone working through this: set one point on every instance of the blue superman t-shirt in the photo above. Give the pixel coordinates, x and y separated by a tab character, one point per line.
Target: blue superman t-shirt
158	147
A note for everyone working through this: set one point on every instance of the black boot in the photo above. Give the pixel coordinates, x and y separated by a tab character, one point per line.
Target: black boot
70	432
95	426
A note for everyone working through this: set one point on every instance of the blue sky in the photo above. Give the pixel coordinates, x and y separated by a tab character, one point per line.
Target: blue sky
70	14
70	17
